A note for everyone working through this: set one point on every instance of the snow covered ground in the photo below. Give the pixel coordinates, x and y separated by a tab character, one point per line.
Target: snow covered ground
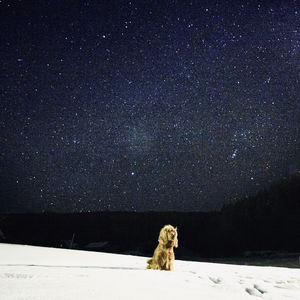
29	273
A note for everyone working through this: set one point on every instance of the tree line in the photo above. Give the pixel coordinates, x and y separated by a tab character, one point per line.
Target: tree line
267	221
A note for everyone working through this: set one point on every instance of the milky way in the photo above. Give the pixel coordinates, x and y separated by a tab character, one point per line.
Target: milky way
155	105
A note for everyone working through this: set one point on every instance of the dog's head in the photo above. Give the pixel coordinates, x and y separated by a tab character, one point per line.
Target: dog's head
168	236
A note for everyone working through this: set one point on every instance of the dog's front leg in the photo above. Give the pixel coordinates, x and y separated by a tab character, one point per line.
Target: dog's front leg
162	260
167	265
170	259
171	265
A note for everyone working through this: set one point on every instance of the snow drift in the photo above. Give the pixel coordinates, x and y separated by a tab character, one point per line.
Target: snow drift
35	273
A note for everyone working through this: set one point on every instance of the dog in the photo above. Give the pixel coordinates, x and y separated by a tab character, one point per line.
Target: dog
163	255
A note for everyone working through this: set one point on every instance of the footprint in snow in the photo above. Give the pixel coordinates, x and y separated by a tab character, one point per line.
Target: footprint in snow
215	280
257	290
261	289
253	292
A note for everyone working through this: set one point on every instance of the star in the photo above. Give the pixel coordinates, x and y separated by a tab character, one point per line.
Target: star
184	104
234	153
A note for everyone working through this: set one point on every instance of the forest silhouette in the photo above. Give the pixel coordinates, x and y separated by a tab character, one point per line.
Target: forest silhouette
268	221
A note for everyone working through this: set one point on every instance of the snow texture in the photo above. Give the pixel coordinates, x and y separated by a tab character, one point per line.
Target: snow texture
34	273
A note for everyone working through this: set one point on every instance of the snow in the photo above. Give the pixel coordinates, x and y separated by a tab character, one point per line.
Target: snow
28	272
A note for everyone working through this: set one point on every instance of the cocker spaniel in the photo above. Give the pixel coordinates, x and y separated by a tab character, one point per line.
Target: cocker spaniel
163	255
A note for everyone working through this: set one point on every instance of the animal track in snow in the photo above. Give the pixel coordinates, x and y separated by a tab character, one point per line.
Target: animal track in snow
257	291
260	289
16	276
215	280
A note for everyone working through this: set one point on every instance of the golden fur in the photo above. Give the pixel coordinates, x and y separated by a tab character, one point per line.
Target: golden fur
163	255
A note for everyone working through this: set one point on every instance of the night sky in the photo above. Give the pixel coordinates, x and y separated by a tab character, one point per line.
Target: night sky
146	105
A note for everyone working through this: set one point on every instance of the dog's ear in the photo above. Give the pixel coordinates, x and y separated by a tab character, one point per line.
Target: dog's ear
162	239
176	239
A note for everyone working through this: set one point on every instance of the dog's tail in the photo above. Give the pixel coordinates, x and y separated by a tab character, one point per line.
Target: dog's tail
149	262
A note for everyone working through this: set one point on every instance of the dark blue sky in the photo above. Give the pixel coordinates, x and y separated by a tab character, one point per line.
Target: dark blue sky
146	105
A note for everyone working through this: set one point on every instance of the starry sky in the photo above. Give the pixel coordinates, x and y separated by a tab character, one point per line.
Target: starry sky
146	105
